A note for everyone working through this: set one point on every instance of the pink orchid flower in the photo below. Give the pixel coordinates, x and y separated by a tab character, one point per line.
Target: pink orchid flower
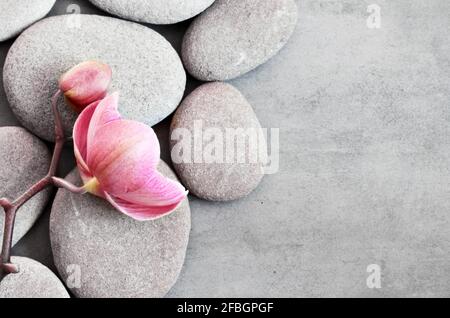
117	160
85	83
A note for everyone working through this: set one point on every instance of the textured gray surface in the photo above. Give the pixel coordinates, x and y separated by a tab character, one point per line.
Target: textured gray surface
146	69
24	160
233	37
115	255
222	107
16	15
364	163
34	280
154	11
364	171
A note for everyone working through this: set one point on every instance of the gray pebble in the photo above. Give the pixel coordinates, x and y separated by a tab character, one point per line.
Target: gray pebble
115	255
216	178
24	161
146	69
17	15
34	280
154	11
232	38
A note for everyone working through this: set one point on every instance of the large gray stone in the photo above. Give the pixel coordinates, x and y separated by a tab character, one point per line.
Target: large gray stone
17	15
146	69
116	255
222	169
24	161
232	37
34	280
154	11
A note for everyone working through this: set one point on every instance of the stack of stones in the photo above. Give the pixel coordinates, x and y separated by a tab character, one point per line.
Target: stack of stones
113	255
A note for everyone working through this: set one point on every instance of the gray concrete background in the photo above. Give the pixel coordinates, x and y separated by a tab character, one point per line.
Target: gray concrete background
364	162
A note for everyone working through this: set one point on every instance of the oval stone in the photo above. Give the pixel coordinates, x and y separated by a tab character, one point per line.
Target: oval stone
115	255
24	161
232	38
33	280
206	132
147	71
154	11
16	16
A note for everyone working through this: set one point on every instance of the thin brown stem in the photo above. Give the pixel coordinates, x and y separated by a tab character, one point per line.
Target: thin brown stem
61	183
11	207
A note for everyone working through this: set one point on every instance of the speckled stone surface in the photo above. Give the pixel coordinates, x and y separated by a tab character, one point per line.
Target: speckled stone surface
116	255
146	69
232	38
24	160
207	172
17	15
154	11
34	280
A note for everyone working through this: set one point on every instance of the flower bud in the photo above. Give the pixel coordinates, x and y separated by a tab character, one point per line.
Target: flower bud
85	83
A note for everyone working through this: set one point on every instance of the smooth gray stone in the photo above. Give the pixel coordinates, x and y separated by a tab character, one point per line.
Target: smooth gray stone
214	177
24	161
17	15
154	11
34	280
232	37
116	255
147	71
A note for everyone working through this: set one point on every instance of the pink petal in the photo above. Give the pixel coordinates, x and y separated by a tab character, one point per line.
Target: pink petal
80	131
105	112
123	155
140	212
157	191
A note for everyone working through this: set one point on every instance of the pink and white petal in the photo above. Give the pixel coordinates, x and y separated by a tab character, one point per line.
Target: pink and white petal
105	112
157	191
123	154
80	132
140	212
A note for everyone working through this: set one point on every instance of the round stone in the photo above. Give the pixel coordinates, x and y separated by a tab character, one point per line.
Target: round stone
17	15
154	11
25	160
115	255
217	144
147	71
232	38
33	280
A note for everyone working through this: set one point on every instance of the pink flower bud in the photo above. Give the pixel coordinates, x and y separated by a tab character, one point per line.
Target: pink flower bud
85	83
117	160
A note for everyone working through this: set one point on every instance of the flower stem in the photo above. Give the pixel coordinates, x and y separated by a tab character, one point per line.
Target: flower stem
11	208
61	183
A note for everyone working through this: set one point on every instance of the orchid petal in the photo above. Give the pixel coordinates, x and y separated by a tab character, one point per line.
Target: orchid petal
105	112
157	191
123	155
80	138
140	212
